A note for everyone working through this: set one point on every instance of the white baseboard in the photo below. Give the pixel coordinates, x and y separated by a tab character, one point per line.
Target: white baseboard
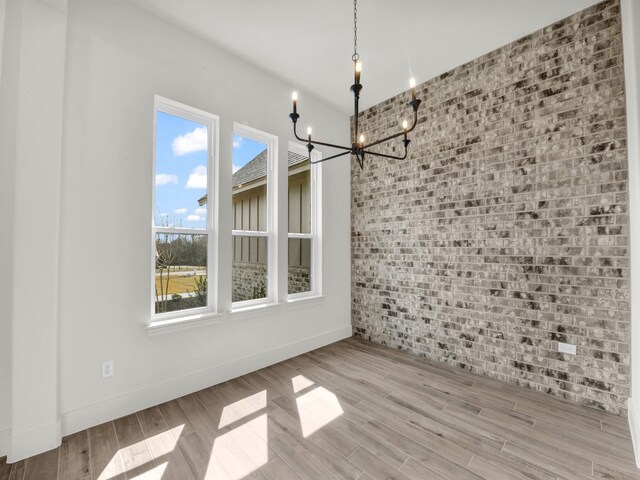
634	426
91	415
22	445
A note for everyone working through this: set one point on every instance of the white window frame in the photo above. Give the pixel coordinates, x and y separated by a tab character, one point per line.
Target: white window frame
212	122
271	141
315	174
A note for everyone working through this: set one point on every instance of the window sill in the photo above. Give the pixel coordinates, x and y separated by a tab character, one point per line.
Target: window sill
305	301
181	323
159	327
252	310
291	303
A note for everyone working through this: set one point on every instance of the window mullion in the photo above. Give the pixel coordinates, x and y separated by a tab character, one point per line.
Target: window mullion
308	236
249	233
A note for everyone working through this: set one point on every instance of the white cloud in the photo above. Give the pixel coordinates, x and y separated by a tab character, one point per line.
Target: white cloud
195	141
180	211
236	168
164	214
193	218
165	179
200	211
237	141
198	179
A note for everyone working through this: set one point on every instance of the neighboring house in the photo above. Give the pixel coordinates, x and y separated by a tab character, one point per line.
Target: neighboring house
249	207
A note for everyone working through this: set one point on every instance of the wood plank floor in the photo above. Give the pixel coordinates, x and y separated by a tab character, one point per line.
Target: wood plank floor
351	410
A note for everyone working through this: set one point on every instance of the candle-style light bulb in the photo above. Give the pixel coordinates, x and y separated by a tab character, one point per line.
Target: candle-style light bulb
361	140
412	85
309	133
294	97
405	125
358	69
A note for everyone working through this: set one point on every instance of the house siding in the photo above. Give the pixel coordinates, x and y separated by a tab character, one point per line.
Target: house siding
249	268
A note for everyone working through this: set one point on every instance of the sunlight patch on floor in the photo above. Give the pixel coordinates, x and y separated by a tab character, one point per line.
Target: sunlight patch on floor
317	408
300	383
165	443
155	473
243	408
240	451
114	468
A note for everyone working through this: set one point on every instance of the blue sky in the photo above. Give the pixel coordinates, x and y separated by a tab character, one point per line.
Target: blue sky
245	150
181	169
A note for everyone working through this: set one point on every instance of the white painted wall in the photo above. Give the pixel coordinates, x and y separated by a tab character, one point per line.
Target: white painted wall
3	6
31	152
118	57
6	220
631	38
411	46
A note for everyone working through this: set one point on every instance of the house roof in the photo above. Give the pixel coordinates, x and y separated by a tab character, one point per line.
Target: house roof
257	168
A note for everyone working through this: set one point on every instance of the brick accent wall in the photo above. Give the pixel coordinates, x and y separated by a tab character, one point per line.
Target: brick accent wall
506	229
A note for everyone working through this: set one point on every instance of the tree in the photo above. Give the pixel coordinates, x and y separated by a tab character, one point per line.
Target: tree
165	256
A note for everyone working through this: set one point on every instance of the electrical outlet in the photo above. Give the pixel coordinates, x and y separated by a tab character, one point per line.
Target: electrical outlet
107	368
566	348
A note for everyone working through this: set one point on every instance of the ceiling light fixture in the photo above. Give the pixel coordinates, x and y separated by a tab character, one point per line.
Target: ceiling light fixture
358	146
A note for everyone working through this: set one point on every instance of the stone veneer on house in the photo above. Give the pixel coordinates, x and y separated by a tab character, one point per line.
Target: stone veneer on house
249	277
506	230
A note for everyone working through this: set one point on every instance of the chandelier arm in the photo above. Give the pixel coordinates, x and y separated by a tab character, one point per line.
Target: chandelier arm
415	120
329	158
395	135
383	140
315	142
368	152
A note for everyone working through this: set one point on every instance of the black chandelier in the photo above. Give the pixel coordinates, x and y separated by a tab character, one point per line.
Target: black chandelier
358	146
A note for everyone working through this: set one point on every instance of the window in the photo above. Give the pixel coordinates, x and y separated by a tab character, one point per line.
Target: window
185	251
303	276
183	221
253	244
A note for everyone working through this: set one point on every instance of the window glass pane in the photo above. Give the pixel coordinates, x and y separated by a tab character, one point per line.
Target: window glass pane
299	194
249	184
299	265
249	268
181	172
181	272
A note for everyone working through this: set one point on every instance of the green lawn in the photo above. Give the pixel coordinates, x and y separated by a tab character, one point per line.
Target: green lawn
178	283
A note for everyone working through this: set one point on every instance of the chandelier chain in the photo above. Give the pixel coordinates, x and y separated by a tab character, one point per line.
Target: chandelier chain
356	56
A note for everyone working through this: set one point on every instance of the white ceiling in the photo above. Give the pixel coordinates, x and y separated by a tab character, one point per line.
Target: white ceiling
309	43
